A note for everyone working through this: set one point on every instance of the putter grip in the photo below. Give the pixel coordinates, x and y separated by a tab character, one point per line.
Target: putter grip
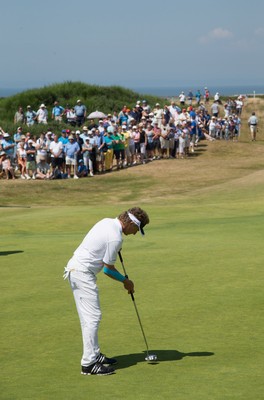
131	294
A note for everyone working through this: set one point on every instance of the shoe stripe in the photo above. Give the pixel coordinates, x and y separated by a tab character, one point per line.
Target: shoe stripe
100	358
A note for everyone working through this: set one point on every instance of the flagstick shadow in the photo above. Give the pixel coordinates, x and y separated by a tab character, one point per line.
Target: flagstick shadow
7	253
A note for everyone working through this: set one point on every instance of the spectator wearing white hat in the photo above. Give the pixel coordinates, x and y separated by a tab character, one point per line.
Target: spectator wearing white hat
71	150
158	114
9	146
182	98
30	116
42	114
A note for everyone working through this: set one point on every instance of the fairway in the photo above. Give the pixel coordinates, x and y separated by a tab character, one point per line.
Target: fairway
198	277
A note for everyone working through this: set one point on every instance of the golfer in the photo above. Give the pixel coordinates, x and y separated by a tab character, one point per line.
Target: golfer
99	250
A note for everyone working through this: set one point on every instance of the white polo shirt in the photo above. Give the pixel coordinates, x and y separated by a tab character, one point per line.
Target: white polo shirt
100	245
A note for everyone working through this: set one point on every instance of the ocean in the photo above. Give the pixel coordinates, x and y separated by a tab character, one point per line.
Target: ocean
173	91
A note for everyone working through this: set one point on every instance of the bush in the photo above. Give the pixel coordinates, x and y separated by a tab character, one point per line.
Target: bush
106	99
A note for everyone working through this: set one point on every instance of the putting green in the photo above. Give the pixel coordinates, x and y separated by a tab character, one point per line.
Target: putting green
198	276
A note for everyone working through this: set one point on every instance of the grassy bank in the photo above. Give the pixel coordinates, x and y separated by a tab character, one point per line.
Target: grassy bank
103	98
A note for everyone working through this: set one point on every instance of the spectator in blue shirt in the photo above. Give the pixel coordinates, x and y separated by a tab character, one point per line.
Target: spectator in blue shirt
80	111
57	112
30	116
71	152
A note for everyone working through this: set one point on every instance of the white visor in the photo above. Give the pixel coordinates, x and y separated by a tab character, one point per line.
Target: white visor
136	222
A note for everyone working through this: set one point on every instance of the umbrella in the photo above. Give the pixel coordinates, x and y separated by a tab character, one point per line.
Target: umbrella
96	115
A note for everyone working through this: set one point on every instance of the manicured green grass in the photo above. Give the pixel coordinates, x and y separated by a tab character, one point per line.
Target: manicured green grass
198	276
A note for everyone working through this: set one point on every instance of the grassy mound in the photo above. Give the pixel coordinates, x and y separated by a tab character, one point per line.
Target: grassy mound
103	98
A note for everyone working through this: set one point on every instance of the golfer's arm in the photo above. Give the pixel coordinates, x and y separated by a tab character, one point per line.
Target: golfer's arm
113	273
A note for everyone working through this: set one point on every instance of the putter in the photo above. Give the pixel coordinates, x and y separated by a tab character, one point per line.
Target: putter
150	357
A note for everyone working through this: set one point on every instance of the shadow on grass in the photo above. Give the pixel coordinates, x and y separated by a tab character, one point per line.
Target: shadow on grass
127	360
7	253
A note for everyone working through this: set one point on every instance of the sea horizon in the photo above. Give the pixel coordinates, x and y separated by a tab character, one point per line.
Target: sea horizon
172	91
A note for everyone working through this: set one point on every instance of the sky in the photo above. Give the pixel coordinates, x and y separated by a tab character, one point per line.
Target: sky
141	43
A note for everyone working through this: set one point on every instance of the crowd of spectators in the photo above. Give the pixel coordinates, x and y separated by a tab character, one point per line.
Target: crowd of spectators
122	139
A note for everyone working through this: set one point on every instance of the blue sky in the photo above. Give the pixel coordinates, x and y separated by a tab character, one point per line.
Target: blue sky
132	44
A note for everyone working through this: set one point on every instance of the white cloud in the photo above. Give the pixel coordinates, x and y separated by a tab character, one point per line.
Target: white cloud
215	34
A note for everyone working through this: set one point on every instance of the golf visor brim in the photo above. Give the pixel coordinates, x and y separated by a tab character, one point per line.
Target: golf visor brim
136	222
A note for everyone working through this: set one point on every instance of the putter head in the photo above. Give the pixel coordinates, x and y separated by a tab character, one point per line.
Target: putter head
151	358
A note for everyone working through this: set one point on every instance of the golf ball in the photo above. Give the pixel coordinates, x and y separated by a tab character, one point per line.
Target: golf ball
151	357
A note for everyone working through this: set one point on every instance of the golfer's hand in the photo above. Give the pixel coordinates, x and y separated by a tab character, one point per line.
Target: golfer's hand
129	286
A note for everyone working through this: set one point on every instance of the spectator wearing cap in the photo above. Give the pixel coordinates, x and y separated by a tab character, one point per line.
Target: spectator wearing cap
80	111
146	108
57	112
31	160
182	98
19	117
217	98
42	114
212	127
64	136
17	135
158	114
30	116
9	147
82	170
84	133
71	151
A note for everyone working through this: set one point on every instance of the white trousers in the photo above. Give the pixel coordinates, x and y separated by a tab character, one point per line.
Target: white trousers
85	292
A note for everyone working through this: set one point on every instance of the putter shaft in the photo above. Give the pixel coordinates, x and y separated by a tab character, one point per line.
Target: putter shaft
134	302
